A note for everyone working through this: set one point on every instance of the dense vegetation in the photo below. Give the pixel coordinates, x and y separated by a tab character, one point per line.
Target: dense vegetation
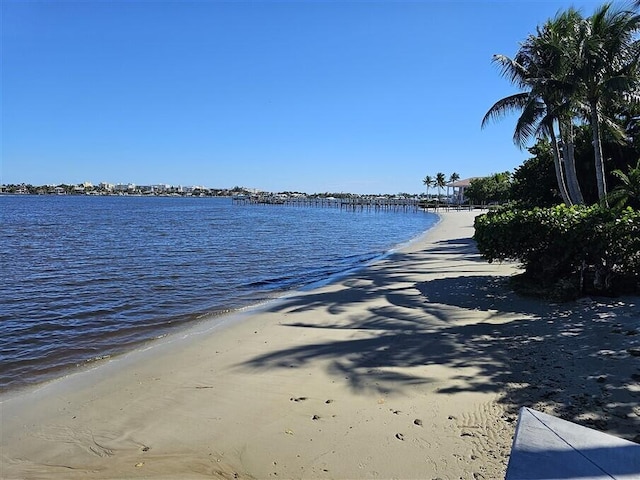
495	188
566	251
570	213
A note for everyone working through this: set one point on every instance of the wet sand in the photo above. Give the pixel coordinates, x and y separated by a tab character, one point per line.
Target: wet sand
413	367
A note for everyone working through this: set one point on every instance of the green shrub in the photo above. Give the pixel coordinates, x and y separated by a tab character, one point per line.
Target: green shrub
566	251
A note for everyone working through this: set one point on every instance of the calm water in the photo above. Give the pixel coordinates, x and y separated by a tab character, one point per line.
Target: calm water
88	277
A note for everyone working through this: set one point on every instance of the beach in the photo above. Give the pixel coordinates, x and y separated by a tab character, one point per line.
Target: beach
412	367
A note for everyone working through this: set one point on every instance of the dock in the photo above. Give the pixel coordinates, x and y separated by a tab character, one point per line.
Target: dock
347	203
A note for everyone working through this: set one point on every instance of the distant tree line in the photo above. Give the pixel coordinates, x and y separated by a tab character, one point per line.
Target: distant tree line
81	189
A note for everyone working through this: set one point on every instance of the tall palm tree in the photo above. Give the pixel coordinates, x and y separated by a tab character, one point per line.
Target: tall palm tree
535	104
454	177
572	69
606	67
541	69
441	182
553	49
429	182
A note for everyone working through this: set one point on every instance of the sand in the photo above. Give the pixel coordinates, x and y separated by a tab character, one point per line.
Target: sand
413	367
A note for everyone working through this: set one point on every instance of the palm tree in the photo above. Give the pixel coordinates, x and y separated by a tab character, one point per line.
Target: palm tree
532	108
441	182
454	177
553	46
572	69
429	182
606	68
538	69
628	192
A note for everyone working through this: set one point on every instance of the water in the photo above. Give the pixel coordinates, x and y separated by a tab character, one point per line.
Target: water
84	278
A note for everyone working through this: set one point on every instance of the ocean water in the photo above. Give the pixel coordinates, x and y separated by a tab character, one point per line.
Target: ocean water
84	278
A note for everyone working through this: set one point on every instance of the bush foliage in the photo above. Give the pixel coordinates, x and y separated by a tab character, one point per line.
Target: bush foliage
534	182
493	189
566	251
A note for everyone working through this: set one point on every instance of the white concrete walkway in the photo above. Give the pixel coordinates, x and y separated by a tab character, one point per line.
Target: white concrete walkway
547	448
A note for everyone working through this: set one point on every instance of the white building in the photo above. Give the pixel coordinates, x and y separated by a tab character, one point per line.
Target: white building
121	187
457	196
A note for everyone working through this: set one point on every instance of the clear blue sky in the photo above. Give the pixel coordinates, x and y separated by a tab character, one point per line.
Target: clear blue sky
359	96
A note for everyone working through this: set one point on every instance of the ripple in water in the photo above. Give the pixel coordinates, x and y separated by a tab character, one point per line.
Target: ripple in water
91	277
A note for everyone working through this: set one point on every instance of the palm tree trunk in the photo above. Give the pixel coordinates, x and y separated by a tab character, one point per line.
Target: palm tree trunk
559	175
597	147
570	166
572	175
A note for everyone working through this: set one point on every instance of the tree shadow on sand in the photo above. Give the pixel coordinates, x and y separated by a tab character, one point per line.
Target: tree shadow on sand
529	352
463	247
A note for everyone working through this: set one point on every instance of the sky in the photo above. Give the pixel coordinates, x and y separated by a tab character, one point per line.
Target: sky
311	96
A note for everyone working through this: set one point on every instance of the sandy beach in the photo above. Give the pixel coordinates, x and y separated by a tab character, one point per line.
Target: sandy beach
411	368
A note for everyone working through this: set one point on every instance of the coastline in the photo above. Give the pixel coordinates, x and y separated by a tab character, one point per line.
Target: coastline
412	367
132	278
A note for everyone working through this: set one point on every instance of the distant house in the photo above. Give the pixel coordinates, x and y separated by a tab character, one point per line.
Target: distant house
160	188
457	196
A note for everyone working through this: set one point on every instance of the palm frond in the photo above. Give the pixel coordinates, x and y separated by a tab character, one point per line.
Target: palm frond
614	129
528	122
505	106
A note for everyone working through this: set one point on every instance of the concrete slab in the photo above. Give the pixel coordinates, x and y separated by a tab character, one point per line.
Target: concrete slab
548	448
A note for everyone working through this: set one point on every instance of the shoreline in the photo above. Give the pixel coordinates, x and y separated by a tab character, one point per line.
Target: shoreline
412	367
132	279
200	322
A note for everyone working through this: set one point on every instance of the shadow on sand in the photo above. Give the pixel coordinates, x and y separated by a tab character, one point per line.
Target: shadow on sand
529	352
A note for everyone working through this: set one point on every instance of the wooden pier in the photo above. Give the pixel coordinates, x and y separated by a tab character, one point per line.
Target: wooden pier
347	203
